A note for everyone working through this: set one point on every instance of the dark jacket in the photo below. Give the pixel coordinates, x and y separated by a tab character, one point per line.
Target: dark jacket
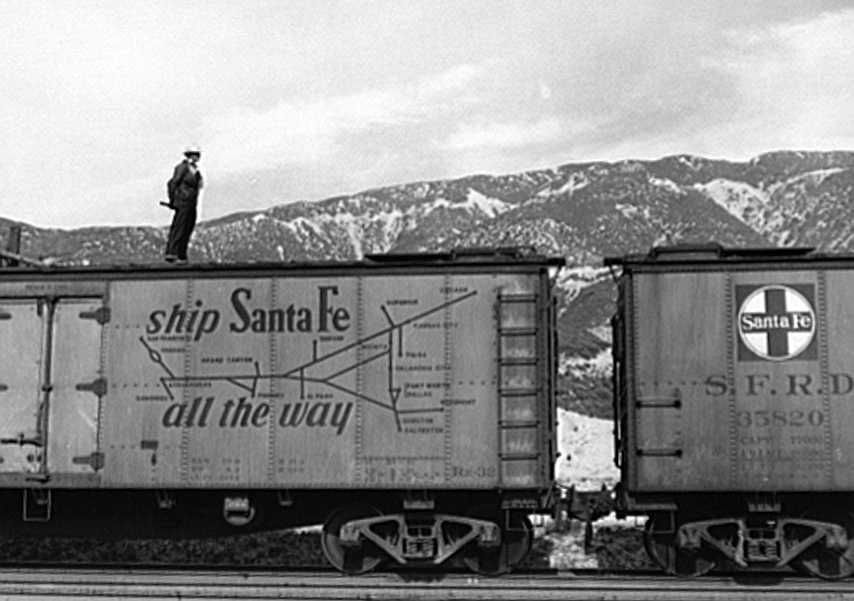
183	188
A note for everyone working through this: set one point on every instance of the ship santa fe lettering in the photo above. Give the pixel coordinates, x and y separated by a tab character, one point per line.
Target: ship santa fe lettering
198	320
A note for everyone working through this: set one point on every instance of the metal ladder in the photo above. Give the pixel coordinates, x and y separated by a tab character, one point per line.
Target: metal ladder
519	389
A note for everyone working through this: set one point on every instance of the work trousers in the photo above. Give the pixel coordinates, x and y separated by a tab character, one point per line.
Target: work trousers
183	222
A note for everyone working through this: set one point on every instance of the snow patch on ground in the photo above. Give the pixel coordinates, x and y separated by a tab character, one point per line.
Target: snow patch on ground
691	162
576	181
301	224
727	193
354	232
586	462
814	177
586	446
388	223
596	367
486	204
572	281
602	332
743	201
631	211
568	552
475	201
667	184
627	210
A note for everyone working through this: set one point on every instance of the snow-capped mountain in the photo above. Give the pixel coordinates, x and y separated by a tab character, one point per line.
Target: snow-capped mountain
581	211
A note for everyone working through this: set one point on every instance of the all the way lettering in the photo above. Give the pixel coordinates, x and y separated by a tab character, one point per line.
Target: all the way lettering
245	413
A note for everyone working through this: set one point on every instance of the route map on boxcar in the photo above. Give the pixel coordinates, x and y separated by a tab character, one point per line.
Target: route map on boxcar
383	348
314	380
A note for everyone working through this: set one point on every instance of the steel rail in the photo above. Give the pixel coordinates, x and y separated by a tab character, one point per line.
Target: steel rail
216	585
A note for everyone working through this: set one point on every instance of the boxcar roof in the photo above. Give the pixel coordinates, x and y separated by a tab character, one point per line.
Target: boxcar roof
717	254
465	259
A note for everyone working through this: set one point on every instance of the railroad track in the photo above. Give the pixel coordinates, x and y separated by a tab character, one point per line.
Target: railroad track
72	584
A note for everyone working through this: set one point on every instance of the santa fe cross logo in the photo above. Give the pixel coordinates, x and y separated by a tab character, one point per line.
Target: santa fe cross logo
776	322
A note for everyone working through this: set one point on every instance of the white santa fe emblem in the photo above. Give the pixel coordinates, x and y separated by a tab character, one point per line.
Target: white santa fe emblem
776	322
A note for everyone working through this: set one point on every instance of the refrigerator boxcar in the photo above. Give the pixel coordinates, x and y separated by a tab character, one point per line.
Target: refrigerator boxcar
734	406
406	402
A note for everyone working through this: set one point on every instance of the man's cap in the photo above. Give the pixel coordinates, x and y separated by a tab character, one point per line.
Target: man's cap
192	149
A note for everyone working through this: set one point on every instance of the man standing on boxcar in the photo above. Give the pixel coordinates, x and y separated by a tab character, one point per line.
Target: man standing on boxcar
183	190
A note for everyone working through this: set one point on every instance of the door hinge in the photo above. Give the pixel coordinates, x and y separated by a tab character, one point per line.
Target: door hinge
101	315
97	387
94	460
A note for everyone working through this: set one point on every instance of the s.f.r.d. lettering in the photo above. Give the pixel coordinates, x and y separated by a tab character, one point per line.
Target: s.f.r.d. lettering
792	384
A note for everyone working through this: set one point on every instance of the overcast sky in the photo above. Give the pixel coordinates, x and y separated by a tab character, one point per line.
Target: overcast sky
98	99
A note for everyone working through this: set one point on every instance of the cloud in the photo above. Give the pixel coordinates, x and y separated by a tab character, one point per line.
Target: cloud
306	131
735	92
504	135
318	99
795	81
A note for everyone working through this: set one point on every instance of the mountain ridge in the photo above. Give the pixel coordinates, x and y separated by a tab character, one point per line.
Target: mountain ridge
580	211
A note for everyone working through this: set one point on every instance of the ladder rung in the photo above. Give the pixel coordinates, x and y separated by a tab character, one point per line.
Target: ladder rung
518	360
664	452
518	456
517	331
515	424
517	391
660	403
517	298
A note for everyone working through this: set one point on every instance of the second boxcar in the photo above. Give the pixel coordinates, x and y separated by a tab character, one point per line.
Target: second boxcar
734	383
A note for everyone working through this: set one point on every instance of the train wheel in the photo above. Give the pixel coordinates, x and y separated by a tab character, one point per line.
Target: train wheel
515	544
350	560
660	544
829	564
